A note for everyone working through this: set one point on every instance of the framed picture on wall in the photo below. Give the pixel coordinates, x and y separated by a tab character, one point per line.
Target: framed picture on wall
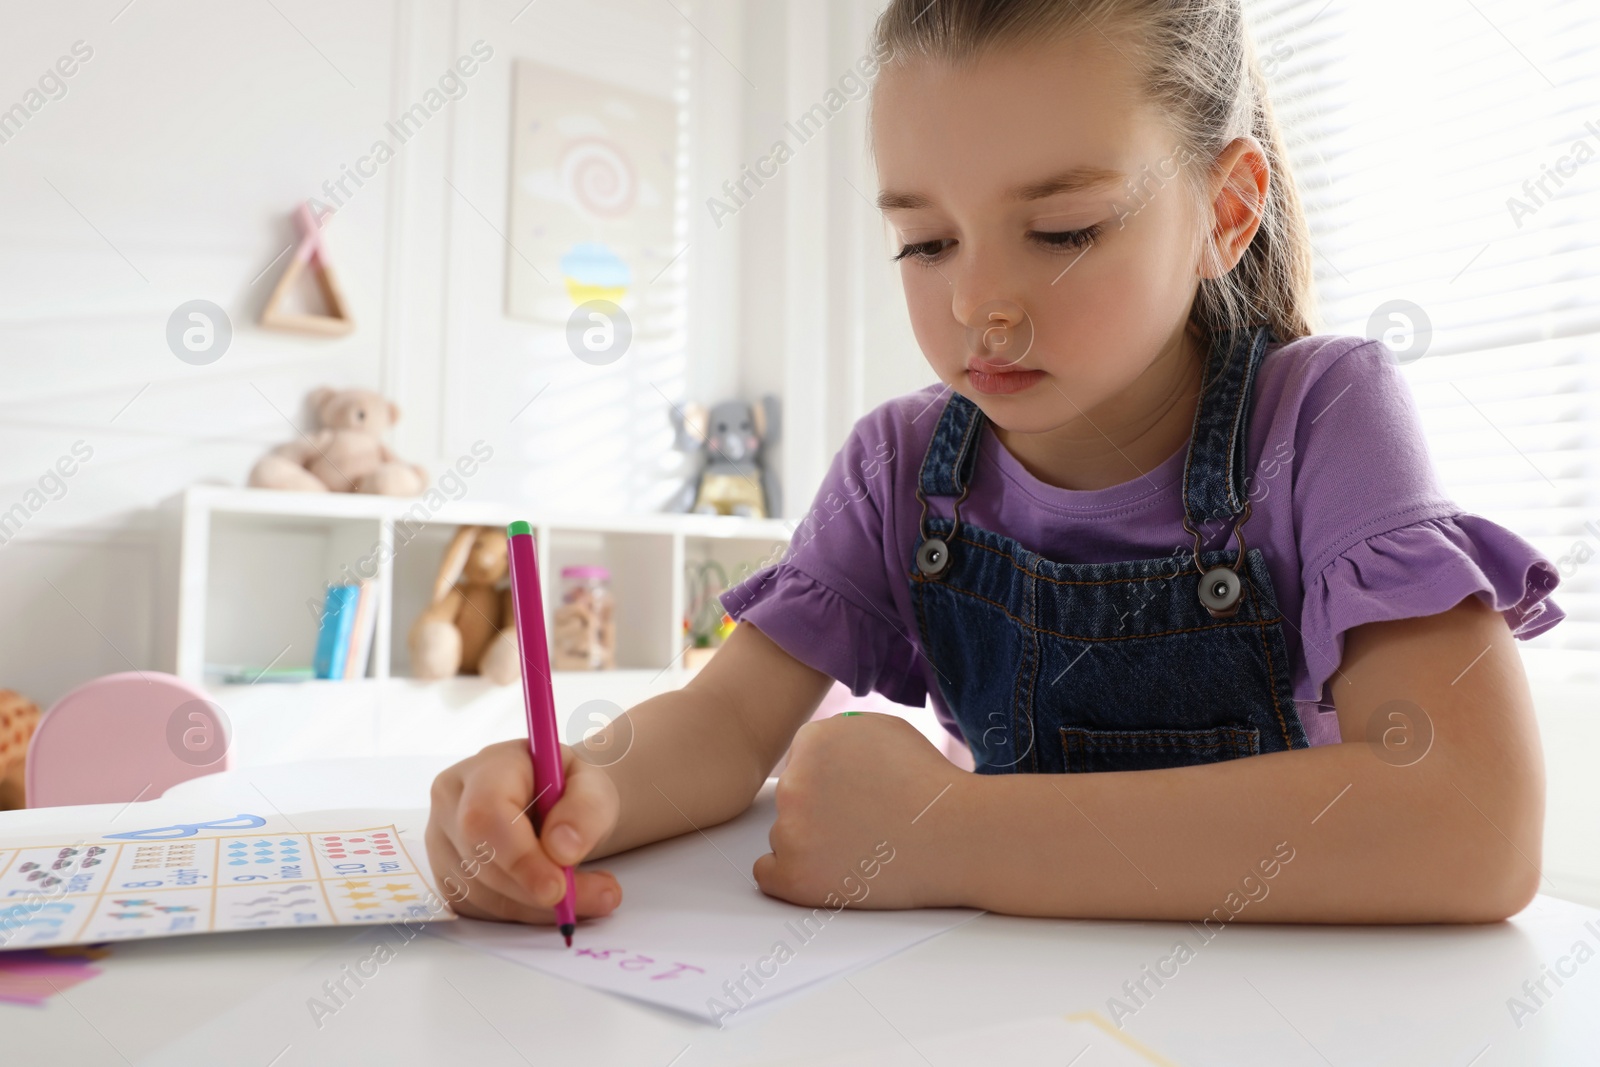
592	192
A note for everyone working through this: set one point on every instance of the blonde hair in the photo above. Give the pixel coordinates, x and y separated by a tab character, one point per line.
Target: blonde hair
1197	67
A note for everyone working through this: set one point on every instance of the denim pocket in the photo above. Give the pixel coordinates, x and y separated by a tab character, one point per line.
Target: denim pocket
1149	750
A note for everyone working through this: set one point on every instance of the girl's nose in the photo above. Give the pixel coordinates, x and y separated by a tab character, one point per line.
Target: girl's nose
983	284
999	332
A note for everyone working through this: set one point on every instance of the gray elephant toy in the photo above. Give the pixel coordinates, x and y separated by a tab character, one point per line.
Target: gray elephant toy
728	443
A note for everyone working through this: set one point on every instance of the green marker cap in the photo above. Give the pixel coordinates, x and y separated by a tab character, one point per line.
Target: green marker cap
849	713
518	527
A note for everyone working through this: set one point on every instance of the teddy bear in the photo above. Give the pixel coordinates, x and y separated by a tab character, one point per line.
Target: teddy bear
18	718
346	453
469	628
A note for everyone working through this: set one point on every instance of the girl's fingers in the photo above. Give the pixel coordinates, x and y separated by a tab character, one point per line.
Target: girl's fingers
584	815
485	903
481	891
473	889
463	880
476	852
598	893
492	818
483	811
765	872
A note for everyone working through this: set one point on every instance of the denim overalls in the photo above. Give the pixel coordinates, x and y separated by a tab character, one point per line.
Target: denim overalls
1052	667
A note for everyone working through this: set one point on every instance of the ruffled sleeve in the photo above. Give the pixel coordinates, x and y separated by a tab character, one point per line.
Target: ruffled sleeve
832	601
1419	569
829	632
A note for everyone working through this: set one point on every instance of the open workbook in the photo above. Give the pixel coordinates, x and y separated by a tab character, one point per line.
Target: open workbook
232	871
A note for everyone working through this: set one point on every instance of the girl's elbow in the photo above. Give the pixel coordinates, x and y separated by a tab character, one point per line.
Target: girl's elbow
1514	889
1503	881
1499	829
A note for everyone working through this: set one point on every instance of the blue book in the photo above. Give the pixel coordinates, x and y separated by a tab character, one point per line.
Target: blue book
333	637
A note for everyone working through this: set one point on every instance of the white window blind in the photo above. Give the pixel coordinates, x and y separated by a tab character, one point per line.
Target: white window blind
1448	155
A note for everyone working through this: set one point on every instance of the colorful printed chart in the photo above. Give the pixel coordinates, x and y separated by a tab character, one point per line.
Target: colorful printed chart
243	872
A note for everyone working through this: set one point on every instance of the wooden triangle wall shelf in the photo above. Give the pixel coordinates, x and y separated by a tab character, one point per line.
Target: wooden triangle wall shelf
310	252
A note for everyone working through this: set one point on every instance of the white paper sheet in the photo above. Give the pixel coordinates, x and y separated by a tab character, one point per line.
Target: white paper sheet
696	935
232	870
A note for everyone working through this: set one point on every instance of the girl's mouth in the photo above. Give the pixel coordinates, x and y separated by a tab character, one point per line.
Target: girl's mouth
999	378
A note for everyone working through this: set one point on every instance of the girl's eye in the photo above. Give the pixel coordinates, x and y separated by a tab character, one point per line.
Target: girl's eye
926	251
1070	239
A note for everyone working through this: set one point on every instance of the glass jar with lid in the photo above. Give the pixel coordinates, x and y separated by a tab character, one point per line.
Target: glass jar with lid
583	635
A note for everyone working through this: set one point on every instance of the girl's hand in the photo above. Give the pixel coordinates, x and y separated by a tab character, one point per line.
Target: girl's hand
485	857
859	818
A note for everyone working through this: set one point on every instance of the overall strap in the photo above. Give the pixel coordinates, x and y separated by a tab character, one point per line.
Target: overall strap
1214	475
947	465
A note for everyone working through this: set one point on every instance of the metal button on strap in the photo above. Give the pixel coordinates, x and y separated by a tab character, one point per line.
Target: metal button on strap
1220	587
933	557
1220	590
933	554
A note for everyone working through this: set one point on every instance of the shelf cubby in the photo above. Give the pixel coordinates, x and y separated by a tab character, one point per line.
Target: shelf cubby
250	567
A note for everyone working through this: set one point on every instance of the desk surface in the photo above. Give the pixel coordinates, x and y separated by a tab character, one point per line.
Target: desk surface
1253	994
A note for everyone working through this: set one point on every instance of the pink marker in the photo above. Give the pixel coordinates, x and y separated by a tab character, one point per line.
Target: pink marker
544	743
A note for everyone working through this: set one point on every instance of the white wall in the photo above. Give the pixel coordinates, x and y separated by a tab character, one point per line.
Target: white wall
831	332
167	172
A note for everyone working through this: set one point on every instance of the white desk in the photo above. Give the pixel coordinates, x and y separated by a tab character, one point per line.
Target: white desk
1256	994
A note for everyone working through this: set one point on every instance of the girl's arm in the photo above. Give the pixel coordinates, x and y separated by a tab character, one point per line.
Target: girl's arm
698	755
1355	832
1453	837
689	759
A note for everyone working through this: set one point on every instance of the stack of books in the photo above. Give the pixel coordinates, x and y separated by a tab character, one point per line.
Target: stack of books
344	639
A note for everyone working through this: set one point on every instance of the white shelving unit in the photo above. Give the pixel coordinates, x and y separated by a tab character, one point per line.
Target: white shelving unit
248	569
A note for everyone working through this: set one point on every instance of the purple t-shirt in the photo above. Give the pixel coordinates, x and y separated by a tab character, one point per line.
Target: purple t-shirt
1347	512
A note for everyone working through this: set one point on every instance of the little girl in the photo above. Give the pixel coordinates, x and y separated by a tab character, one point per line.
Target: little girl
1177	570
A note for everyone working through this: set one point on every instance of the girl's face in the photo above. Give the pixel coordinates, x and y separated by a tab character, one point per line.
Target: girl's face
1048	251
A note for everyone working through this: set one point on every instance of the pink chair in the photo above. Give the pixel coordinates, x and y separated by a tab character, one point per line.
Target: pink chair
124	737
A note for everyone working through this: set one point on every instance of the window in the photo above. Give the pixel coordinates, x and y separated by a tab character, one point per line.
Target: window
1448	155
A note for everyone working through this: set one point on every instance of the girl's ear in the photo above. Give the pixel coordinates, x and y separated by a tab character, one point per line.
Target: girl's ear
1238	207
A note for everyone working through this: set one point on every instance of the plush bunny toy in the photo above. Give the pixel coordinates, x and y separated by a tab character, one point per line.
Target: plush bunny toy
469	628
